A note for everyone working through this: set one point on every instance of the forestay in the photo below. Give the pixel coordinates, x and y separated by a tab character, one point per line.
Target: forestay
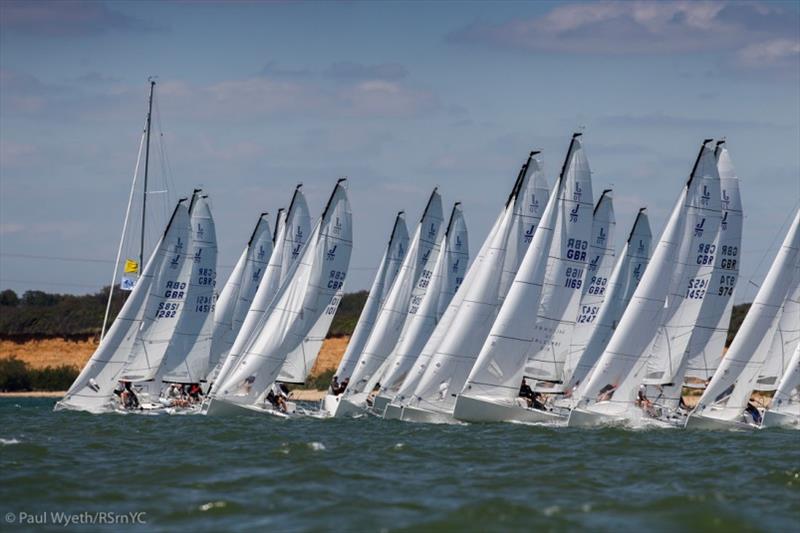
615	380
93	388
439	376
187	358
596	284
384	278
624	279
727	394
317	276
406	294
447	275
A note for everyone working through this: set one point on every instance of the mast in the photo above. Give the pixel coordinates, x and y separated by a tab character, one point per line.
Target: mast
146	167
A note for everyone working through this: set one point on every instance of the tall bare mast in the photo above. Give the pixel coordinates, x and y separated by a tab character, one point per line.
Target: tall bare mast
146	167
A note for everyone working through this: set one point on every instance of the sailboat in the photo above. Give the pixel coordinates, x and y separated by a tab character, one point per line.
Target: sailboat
291	233
610	396
443	365
444	281
236	297
532	329
387	271
93	389
785	408
725	402
624	279
407	291
315	278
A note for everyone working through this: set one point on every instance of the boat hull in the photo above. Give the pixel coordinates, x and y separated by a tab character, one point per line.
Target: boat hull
393	412
585	418
415	414
774	419
710	422
379	403
219	407
346	408
470	409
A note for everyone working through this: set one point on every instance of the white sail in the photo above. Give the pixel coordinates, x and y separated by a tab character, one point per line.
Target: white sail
292	231
187	357
785	339
597	282
621	285
165	303
556	259
224	307
728	393
405	295
318	274
707	344
93	388
385	276
447	275
450	365
612	386
785	407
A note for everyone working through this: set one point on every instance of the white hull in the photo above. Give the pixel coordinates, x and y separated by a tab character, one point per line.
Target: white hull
329	404
346	408
774	419
583	418
415	414
219	407
710	422
393	412
379	403
469	409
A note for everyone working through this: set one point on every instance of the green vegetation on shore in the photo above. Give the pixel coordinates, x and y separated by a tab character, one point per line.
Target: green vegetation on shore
17	376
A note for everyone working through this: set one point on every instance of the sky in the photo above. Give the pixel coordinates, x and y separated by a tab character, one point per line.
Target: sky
255	97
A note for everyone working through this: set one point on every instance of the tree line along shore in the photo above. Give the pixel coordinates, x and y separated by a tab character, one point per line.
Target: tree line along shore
46	338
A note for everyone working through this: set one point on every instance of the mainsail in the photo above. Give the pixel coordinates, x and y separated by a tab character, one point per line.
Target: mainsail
234	301
613	384
385	276
785	407
728	393
446	276
187	357
539	311
447	368
621	285
406	293
292	232
596	284
93	388
318	274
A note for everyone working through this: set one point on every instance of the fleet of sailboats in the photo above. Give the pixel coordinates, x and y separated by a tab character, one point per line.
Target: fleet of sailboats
547	325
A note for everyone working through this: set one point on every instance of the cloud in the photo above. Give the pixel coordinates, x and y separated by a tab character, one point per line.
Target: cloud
96	77
628	28
661	120
59	18
346	70
769	53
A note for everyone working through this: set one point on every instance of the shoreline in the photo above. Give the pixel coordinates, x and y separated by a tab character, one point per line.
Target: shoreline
34	394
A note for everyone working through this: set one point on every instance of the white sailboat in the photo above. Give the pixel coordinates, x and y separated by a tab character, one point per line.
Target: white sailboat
93	389
291	234
446	359
785	408
317	276
445	279
445	362
407	291
531	333
621	285
725	402
609	396
384	278
234	301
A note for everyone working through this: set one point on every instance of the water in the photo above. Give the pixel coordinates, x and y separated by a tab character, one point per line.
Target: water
213	474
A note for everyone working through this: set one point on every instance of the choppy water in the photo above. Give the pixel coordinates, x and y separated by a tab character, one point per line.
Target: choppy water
212	474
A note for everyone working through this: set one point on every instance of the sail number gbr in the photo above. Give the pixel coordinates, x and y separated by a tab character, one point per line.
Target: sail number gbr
335	279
